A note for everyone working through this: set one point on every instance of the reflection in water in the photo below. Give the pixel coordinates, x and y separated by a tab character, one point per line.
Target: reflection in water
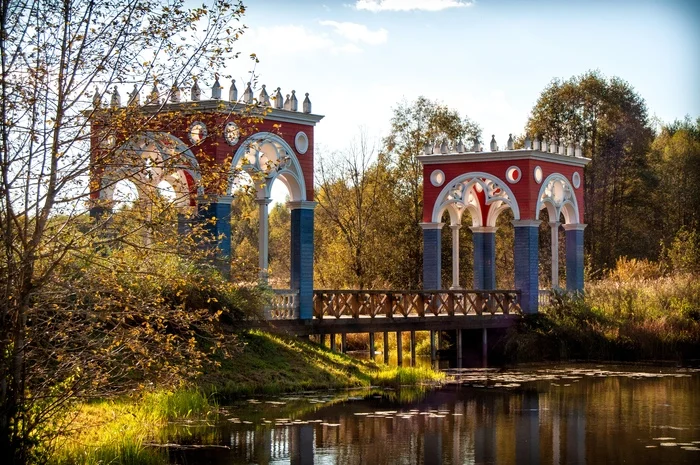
564	417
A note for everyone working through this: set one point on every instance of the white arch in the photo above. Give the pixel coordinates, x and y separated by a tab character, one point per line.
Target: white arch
284	165
154	157
557	195
497	194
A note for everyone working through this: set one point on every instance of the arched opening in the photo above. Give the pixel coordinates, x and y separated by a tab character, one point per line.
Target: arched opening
279	217
556	206
490	207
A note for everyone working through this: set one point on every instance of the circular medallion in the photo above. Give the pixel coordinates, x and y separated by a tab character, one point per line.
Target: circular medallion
301	142
513	174
576	180
437	178
538	174
198	131
231	133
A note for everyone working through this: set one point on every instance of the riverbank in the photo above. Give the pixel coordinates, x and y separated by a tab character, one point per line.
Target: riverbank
116	430
622	318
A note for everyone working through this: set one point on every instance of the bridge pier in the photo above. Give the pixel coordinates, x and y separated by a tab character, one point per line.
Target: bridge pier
433	354
371	346
413	348
484	348
333	342
459	347
399	349
386	348
344	342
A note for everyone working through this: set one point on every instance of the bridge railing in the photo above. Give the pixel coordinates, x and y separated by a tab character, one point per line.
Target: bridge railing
283	306
405	304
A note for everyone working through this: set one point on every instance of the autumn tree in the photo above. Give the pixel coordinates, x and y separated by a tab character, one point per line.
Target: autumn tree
413	126
58	60
611	121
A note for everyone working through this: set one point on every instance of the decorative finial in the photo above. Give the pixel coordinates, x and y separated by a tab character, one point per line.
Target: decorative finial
233	92
306	106
134	97
216	88
528	143
460	146
436	147
287	103
174	93
544	145
562	147
444	148
97	98
510	143
577	150
195	91
294	104
553	148
264	98
279	100
570	149
494	146
248	95
475	146
536	143
427	149
154	97
116	100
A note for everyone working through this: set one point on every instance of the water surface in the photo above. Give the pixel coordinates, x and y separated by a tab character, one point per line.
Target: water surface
569	415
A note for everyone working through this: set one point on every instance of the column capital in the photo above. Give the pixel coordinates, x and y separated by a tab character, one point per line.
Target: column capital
484	229
431	225
455	227
204	199
575	227
302	205
263	201
526	223
554	224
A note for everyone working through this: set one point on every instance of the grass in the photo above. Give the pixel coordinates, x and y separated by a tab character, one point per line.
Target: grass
272	363
115	431
636	318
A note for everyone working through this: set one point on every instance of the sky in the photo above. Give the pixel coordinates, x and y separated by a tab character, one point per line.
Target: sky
489	59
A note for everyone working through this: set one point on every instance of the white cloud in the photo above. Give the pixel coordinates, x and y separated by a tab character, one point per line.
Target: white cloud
357	32
409	5
293	40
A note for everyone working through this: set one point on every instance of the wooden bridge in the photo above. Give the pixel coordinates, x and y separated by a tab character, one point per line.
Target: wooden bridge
382	311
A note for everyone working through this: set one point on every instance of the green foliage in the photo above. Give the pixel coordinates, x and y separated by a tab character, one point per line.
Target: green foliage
610	119
683	255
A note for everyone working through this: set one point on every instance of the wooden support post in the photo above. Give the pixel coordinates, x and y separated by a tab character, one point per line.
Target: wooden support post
333	342
386	348
433	354
344	342
399	349
459	348
484	348
371	346
413	348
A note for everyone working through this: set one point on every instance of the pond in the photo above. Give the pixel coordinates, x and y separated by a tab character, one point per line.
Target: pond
561	415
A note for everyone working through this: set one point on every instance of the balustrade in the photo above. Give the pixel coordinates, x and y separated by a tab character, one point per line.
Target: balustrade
283	306
405	304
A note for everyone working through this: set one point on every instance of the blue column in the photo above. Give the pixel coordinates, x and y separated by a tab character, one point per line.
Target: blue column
302	255
215	218
526	263
574	257
484	257
432	260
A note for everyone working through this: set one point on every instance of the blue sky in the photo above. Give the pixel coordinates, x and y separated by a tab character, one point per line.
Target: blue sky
488	59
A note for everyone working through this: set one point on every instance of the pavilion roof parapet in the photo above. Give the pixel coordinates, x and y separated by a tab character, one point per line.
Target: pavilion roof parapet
175	96
559	147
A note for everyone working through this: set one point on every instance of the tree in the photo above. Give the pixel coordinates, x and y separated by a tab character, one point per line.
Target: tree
610	119
52	53
348	189
413	126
